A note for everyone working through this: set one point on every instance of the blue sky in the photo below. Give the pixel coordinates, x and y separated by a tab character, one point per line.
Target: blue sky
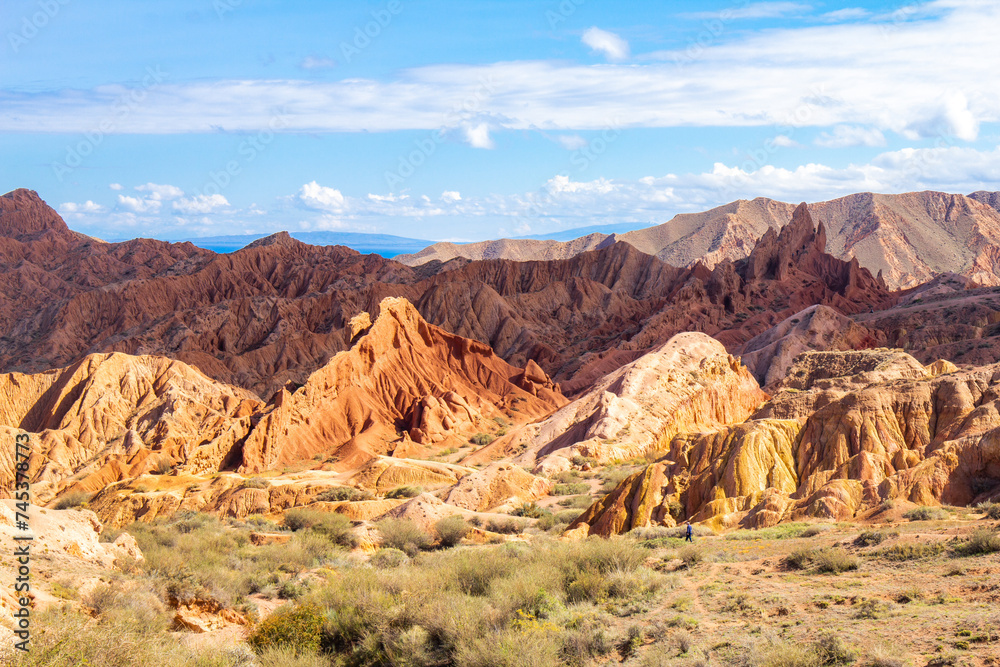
470	120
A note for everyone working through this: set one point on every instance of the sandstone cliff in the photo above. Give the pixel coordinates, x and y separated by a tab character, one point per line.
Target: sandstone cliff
690	383
876	426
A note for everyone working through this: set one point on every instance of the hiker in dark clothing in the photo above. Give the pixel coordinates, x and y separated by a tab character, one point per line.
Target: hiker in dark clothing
690	532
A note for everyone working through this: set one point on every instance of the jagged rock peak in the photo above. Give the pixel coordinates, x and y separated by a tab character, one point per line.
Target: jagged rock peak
278	238
24	213
775	253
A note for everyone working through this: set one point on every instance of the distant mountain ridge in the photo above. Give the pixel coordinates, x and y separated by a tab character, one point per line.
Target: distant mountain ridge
385	245
909	238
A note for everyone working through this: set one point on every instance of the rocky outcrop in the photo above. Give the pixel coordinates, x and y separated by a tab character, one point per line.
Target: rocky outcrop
690	383
769	355
886	428
406	388
497	487
114	416
383	474
404	371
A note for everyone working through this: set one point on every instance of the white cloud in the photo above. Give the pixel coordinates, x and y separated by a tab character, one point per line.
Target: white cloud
317	196
116	186
950	115
784	141
201	204
451	196
572	142
846	14
161	192
139	204
391	197
608	43
86	207
479	136
844	136
756	10
317	62
886	73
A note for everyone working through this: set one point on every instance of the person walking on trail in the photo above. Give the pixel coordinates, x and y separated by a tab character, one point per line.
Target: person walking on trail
689	533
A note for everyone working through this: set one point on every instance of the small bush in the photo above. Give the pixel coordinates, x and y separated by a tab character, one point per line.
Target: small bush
297	628
405	492
991	510
578	502
691	555
71	500
404	535
334	527
285	657
450	530
832	650
505	526
255	483
389	558
481	439
529	511
870	538
813	531
834	560
570	489
800	558
162	467
926	514
981	541
909	551
872	609
344	493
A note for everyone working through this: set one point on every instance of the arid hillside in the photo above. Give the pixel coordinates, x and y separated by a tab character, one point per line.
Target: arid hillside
908	238
279	309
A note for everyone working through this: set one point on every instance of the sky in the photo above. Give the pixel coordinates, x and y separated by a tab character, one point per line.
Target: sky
472	119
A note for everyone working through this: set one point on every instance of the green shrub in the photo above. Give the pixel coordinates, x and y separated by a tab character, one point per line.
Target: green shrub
834	560
991	510
612	477
832	650
800	558
926	514
981	541
814	530
404	535
578	502
570	489
782	531
690	555
481	439
344	493
872	609
64	638
451	530
163	466
505	526
255	483
909	551
285	657
389	558
294	627
870	538
405	492
334	527
529	511
71	500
